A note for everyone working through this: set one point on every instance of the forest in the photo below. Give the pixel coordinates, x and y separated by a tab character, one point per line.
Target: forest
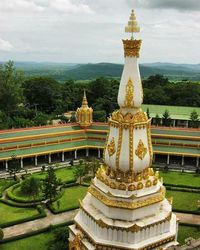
32	101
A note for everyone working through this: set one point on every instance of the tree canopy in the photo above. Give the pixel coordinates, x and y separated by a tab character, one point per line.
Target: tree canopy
35	101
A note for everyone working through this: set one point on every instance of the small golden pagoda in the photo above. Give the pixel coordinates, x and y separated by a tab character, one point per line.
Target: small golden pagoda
84	113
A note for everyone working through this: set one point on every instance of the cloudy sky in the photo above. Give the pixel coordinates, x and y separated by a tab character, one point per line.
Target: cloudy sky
90	31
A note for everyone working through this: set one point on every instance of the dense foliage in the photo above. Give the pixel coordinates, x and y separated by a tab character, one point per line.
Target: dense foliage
60	239
36	101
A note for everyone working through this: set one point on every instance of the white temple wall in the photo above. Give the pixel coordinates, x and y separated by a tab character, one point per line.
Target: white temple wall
125	214
123	236
131	70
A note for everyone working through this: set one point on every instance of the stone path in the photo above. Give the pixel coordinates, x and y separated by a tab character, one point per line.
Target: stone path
30	226
52	219
189	218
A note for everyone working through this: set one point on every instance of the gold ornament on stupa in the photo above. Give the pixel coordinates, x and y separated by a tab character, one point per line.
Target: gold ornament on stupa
84	113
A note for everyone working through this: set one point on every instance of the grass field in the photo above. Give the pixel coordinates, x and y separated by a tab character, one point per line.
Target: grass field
70	198
9	213
37	242
179	178
184	200
64	174
185	232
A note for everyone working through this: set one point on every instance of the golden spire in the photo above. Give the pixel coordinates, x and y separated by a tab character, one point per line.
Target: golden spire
132	26
84	102
84	113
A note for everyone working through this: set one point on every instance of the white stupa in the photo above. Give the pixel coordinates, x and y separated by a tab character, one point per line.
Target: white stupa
125	207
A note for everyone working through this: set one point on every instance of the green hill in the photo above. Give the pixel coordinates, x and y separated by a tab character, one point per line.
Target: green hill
64	71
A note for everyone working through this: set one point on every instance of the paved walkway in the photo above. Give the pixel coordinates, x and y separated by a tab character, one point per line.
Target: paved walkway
31	226
189	218
52	219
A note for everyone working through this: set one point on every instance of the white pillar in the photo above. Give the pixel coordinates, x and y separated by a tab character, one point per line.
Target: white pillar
36	162
168	159
174	123
6	165
99	153
21	163
182	162
197	162
49	158
63	156
75	154
187	124
87	152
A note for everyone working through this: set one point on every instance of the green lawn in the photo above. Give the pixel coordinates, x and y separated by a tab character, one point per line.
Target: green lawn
179	178
184	200
9	213
4	183
185	232
65	174
70	198
36	242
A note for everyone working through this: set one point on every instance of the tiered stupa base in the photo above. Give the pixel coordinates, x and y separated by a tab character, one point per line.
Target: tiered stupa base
112	219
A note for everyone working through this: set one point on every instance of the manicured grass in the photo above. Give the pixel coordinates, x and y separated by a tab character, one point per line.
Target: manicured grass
4	183
64	174
178	178
184	200
70	198
35	242
185	232
9	213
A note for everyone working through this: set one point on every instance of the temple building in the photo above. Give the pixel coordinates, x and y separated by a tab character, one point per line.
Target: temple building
125	207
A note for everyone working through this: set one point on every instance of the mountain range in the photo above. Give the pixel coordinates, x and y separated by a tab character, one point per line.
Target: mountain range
65	71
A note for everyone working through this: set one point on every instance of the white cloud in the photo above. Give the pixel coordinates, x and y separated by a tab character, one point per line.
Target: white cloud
69	7
5	45
20	5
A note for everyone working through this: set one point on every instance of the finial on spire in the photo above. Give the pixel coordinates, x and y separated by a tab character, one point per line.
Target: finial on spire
84	102
132	26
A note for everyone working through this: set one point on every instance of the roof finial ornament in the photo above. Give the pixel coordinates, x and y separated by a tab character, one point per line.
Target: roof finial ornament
84	101
132	26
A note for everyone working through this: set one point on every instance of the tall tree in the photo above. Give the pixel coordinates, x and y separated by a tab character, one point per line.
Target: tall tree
157	120
80	171
11	94
14	166
42	93
93	165
194	119
166	120
31	186
50	185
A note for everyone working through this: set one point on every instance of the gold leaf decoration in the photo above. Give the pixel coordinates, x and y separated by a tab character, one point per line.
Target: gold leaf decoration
128	103
141	150
132	48
111	147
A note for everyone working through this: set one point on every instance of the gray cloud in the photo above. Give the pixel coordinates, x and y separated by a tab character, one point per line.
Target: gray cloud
187	5
91	31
